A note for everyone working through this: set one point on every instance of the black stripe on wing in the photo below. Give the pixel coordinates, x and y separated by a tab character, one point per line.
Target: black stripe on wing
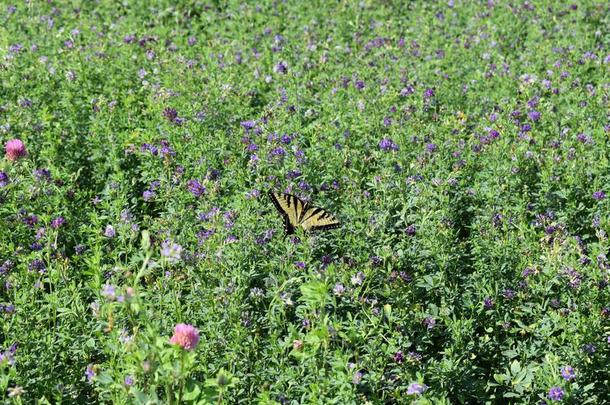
287	225
325	227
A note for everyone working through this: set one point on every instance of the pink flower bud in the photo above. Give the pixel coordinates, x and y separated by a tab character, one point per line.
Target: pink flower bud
15	149
186	336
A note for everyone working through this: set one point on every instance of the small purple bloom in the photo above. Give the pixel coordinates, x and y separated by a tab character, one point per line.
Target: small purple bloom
338	289
416	389
37	265
358	279
279	151
556	394
399	357
533	115
90	373
109	232
170	250
4	180
568	373
196	188
281	67
411	230
57	222
148	195
488	302
265	237
248	125
129	380
387	145
170	114
407	91
109	291
599	195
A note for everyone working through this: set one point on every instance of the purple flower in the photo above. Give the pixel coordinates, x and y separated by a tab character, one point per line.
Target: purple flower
416	389
204	235
406	91
338	289
42	174
358	279
279	151
170	114
166	149
171	251
109	232
248	125
399	357
148	195
428	93
528	271
4	180
90	373
57	222
359	84
265	237
599	195
303	185
556	394
583	138
431	147
109	291
6	267
37	265
281	67
196	188
387	145
128	380
430	322
533	115
568	373
488	302
8	355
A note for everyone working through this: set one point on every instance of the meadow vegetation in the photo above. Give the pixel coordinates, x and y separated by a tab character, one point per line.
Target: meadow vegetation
463	145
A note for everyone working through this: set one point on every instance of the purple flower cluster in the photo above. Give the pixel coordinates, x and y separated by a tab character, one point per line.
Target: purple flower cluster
388	145
196	188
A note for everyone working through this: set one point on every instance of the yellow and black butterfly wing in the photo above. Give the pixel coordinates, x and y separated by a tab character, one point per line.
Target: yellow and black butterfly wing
290	207
318	219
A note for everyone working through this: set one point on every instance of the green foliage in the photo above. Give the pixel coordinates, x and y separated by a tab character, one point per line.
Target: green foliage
463	145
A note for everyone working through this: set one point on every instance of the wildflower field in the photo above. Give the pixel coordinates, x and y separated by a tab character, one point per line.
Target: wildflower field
462	145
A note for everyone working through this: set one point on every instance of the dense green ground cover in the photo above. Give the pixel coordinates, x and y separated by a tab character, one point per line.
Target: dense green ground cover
464	146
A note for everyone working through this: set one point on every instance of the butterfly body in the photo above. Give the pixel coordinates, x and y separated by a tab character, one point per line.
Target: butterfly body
300	214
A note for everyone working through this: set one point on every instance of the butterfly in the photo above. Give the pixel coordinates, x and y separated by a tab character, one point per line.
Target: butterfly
298	213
